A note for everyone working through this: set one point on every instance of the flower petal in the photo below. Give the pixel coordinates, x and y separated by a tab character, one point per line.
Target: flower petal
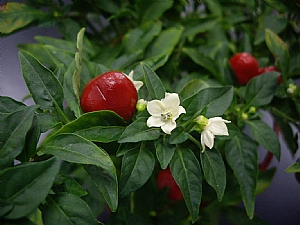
217	126
155	108
171	101
207	138
178	112
154	121
168	127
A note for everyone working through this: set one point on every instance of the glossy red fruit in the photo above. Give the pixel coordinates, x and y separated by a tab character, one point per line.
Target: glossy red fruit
110	91
245	67
270	69
166	180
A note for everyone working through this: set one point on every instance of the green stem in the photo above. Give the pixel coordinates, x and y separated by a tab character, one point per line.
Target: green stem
132	202
196	142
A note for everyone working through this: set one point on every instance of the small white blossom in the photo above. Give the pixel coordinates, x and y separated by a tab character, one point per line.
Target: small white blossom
137	84
209	128
164	112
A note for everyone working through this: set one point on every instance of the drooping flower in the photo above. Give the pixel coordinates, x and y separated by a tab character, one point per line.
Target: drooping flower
137	84
164	112
209	128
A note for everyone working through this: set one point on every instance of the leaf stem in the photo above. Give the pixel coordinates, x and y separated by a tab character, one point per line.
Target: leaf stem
196	142
132	202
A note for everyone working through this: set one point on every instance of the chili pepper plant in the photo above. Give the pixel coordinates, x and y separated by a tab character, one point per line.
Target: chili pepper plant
60	164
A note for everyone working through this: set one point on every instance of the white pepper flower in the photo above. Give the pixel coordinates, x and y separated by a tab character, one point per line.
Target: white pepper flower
137	84
209	128
164	112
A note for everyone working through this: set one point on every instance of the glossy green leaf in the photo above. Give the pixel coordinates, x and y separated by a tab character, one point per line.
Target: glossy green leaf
27	185
70	185
46	90
40	52
294	168
47	121
280	51
107	184
137	167
264	180
13	133
241	155
271	22
140	37
186	171
214	170
194	86
164	151
69	94
261	89
68	209
151	10
178	135
165	43
237	216
7	106
139	131
206	62
154	84
74	148
215	99
78	62
16	15
265	136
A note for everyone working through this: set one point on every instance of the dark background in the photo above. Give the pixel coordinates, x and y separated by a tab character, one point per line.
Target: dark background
278	205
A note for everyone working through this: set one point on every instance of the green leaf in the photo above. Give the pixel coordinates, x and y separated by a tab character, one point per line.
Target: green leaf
7	106
215	99
165	43
164	151
194	86
154	84
140	37
40	52
74	148
280	51
151	10
68	209
206	62
271	22
100	126
25	186
294	168
70	185
78	62
139	131
69	94
107	184
214	171
46	90
137	167
186	171
261	89
237	216
60	56
16	15
265	136
241	155
47	121
178	135
13	133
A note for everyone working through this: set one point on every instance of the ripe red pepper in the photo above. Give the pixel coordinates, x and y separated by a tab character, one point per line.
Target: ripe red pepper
110	91
166	180
245	67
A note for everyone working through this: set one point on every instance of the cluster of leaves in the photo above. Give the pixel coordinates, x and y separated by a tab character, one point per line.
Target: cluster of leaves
90	160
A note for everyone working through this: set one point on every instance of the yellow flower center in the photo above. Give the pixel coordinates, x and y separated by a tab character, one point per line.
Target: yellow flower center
167	115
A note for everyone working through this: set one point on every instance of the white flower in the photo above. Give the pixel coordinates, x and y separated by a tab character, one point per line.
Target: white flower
137	84
164	112
209	128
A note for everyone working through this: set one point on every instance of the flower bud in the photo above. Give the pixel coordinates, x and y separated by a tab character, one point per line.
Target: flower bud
201	122
141	105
